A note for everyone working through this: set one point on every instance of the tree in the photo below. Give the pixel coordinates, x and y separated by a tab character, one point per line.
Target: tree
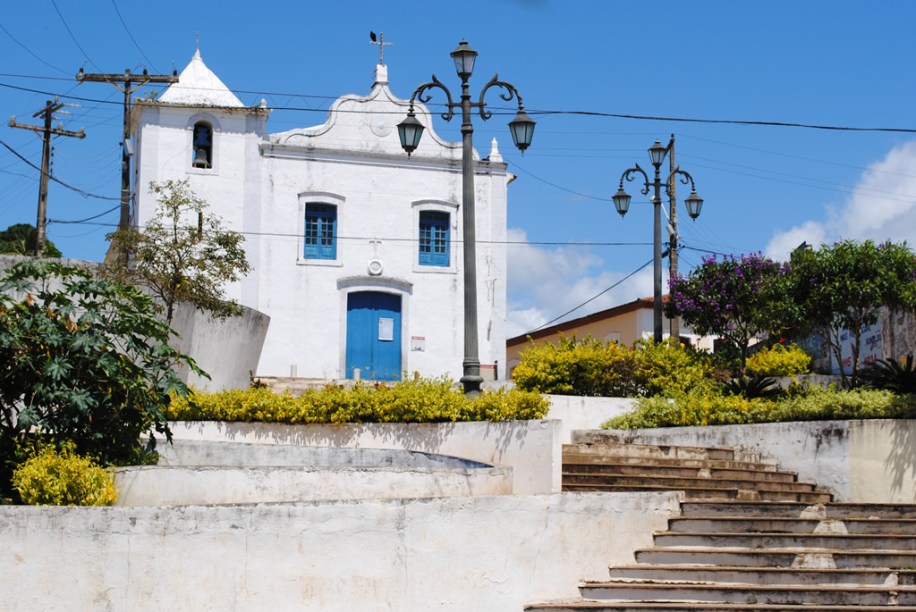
20	239
82	360
182	254
841	288
737	299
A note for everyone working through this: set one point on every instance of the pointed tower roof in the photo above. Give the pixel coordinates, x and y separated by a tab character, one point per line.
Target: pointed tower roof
198	86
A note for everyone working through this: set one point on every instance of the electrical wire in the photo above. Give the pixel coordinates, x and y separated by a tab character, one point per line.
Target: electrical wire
134	40
32	53
82	221
591	299
83	193
507	111
69	31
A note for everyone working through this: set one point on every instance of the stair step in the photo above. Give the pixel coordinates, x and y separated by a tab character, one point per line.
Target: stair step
795	509
822	541
776	557
764	575
749	593
722	464
707	493
651	450
678	471
605	606
673	483
733	524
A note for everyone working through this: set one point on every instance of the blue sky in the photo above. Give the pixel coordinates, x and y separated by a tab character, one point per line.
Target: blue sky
832	63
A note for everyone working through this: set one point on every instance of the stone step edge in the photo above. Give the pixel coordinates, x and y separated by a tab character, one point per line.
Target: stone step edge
774	551
754	485
674	464
728	586
664	449
611	488
598	604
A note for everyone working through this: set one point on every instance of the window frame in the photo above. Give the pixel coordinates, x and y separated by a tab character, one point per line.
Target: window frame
447	264
330	203
324	240
433	229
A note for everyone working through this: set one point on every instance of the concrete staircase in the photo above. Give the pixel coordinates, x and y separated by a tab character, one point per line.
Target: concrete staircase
749	537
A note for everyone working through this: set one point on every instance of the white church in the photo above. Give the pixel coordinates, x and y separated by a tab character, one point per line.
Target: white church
356	249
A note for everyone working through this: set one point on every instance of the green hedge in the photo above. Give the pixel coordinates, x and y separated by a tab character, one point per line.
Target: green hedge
414	401
704	408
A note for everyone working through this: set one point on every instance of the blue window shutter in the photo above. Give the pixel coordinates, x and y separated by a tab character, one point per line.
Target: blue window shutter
320	231
434	238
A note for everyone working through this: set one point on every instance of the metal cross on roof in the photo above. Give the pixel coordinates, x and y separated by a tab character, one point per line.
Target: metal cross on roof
380	41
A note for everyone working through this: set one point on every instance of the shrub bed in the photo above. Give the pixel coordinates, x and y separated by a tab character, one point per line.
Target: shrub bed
414	401
61	478
699	409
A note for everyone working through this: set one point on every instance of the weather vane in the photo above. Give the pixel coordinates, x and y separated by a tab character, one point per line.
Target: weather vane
380	41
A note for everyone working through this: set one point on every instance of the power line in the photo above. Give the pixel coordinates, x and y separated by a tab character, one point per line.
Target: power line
547	112
134	40
32	53
83	193
69	31
82	221
749	122
593	298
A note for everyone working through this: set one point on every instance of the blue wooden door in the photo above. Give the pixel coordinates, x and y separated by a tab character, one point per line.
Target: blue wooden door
374	335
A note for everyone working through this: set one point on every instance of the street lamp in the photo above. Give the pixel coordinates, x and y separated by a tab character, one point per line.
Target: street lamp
694	203
522	129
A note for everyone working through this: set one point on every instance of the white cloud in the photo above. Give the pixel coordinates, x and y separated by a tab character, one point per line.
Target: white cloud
783	243
881	207
546	282
883	204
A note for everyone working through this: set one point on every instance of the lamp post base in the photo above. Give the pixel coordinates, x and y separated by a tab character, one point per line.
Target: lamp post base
471	379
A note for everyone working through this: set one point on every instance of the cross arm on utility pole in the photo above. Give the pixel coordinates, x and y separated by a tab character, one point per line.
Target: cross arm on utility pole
47	113
127	83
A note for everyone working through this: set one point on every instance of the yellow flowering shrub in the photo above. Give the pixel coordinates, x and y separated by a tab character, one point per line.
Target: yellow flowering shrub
586	367
61	478
779	360
421	400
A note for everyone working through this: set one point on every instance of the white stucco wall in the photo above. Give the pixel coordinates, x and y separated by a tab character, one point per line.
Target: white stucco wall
576	412
173	486
531	448
458	554
260	183
226	349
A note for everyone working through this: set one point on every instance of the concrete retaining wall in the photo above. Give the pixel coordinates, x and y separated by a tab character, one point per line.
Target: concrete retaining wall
453	554
576	412
226	349
167	486
531	448
858	461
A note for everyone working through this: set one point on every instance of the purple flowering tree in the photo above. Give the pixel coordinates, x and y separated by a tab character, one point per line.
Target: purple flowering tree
738	299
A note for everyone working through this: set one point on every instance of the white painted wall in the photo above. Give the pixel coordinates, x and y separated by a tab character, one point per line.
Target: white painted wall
458	554
576	412
259	185
531	448
180	486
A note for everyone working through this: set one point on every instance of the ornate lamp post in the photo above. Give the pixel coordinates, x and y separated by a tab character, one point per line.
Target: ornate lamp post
522	128
694	203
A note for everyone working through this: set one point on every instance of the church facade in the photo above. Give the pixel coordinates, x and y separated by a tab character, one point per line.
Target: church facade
356	249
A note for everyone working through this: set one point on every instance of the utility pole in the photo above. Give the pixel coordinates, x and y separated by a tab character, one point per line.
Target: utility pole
675	326
46	131
127	84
